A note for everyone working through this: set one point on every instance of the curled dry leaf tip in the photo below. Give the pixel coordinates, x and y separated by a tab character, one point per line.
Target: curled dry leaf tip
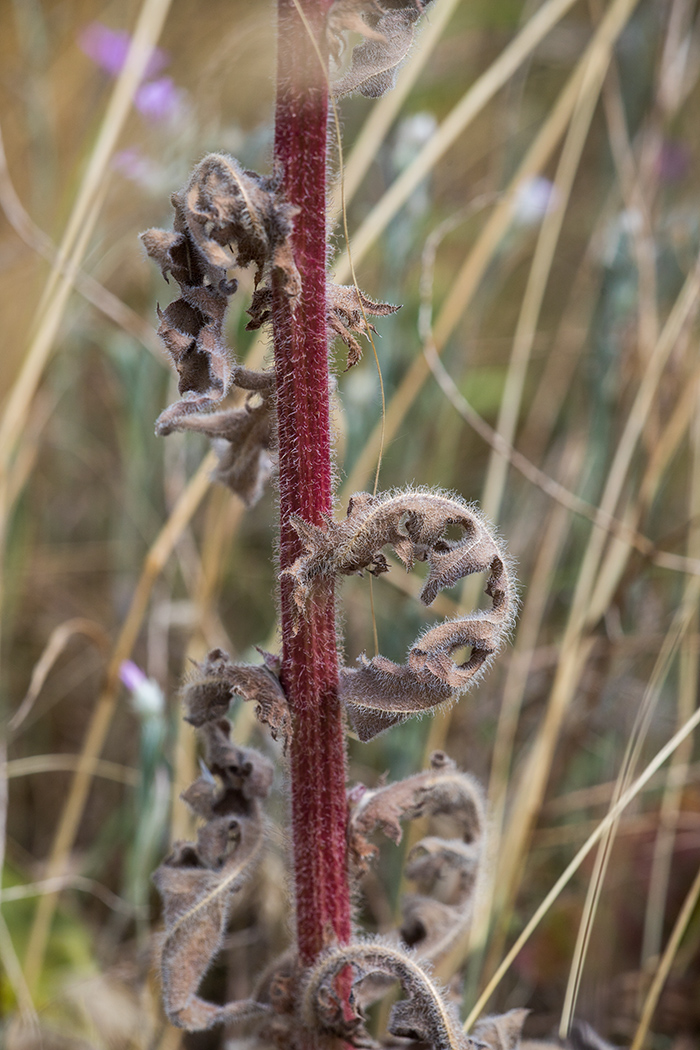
444	864
387	27
197	880
225	217
424	1015
380	693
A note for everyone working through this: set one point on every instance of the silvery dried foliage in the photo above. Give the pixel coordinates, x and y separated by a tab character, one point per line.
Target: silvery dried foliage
228	218
388	28
225	217
380	693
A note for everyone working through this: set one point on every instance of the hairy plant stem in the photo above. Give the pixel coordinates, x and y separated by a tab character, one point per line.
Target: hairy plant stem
310	662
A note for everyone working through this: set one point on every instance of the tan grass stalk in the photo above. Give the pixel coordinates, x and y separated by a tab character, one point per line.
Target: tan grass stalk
102	715
664	968
58	640
538	278
15	976
457	121
661	756
530	623
480	255
95	293
37	764
385	110
83	217
677	775
574	645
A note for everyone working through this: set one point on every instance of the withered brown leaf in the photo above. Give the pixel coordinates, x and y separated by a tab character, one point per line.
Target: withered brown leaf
245	438
224	216
208	694
191	327
380	693
501	1031
444	864
227	206
388	29
348	308
197	880
424	1015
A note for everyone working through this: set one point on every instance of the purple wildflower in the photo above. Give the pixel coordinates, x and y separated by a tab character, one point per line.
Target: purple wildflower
159	99
108	49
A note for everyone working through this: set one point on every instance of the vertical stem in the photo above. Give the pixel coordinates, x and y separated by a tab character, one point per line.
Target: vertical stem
310	661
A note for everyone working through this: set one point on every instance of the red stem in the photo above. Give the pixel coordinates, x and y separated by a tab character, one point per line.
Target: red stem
310	660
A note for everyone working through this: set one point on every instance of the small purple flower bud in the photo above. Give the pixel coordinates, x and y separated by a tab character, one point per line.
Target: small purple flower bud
131	675
146	694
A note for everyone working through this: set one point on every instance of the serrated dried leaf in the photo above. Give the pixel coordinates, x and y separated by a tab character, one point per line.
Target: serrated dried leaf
424	1015
208	694
501	1031
388	31
245	439
442	789
197	880
380	693
348	308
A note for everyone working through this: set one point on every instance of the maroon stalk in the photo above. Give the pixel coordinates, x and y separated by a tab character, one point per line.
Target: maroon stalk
310	660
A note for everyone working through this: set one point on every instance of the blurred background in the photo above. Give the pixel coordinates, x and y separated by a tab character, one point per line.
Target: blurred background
530	194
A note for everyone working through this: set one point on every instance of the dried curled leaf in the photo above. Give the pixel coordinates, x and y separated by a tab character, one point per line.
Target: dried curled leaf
228	207
424	1015
444	864
380	693
191	327
197	880
245	439
348	308
501	1031
224	216
208	694
388	27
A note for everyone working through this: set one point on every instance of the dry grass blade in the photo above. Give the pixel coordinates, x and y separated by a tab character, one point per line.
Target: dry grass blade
540	271
60	637
37	764
102	716
35	238
468	278
666	962
556	491
678	772
471	104
80	224
575	864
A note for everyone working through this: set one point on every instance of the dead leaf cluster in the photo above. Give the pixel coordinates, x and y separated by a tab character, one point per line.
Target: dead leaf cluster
380	693
197	880
443	865
225	217
424	1016
208	693
348	308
